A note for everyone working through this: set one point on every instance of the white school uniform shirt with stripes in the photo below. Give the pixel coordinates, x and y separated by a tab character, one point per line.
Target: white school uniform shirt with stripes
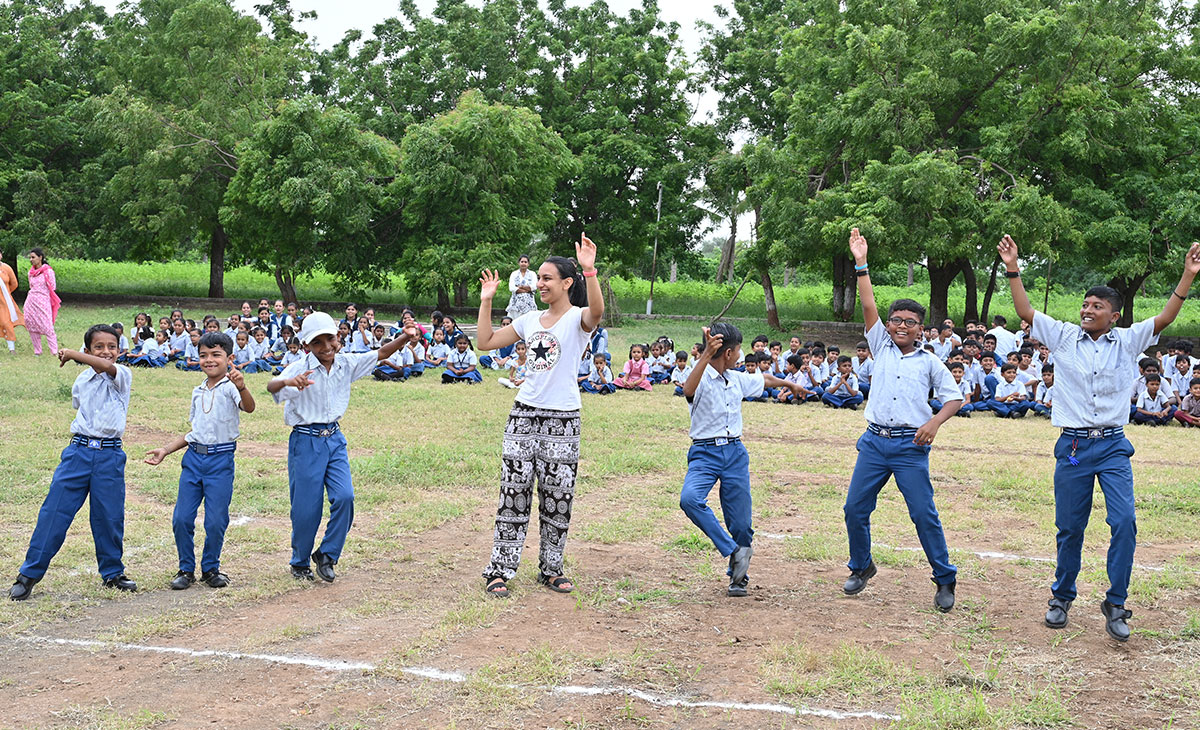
851	384
901	383
716	406
1154	403
863	369
1045	394
324	401
1093	373
679	377
290	357
101	402
215	414
1005	389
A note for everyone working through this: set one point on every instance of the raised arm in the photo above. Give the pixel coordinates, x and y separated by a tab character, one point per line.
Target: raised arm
407	334
98	364
1191	265
1008	254
487	338
866	293
711	343
585	254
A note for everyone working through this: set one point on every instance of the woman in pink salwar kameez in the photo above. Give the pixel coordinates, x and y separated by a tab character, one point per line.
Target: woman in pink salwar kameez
41	304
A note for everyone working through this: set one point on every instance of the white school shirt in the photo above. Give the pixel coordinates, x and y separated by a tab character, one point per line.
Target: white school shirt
290	357
243	354
1180	383
1005	389
438	349
358	344
180	342
123	343
662	363
1029	377
966	388
851	384
863	370
1093	373
900	384
1006	341
191	352
215	414
101	402
1155	404
462	360
152	348
550	376
942	349
232	332
716	406
679	377
418	352
1044	394
324	401
594	374
259	349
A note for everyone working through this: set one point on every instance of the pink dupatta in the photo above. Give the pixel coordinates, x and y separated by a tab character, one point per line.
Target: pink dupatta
55	302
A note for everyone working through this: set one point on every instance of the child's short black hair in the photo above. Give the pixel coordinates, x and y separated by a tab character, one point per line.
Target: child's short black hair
294	341
462	338
95	329
731	337
988	353
118	326
842	359
833	348
817	343
955	366
862	346
760	338
216	339
946	326
1153	378
1146	362
999	320
775	343
970	341
1048	368
795	361
1108	294
1026	351
801	351
988	336
1184	345
256	330
1006	367
817	352
956	352
264	309
681	355
907	305
751	358
1193	382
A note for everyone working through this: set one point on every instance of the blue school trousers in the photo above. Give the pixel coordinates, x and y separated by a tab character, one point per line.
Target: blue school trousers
878	459
841	401
603	388
679	390
1042	410
656	378
95	474
1006	409
729	464
473	376
1105	460
1159	421
814	394
318	465
206	478
146	361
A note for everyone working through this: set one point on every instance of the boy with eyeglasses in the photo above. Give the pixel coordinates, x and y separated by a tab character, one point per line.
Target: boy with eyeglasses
900	429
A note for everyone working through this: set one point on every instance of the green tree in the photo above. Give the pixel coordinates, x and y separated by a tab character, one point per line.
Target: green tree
476	187
307	194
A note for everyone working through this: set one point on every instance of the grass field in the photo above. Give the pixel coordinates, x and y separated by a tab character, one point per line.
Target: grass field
406	638
808	302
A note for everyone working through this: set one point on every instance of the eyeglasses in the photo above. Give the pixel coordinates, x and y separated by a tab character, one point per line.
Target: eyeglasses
907	322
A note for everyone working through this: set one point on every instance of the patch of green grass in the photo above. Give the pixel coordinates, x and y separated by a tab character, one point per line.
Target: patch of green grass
77	717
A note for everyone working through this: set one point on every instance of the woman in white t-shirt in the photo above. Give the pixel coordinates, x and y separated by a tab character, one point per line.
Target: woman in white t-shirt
542	435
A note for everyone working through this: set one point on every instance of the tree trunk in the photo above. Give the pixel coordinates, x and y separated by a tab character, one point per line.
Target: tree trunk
443	298
971	306
286	281
674	271
725	267
940	277
991	289
1128	287
767	285
845	287
910	274
460	293
218	242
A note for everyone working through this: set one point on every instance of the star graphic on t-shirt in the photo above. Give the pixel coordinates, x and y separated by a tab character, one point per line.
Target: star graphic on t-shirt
540	351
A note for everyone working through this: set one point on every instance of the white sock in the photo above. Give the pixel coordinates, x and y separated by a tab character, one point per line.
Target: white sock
12	345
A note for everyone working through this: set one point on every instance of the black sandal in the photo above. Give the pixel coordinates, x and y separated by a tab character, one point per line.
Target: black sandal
555	584
496	588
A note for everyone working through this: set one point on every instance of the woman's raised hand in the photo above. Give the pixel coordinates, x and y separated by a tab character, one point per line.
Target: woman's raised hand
585	253
488	283
1008	252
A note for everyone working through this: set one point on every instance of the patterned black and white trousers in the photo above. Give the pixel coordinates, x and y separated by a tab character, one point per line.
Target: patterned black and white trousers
543	444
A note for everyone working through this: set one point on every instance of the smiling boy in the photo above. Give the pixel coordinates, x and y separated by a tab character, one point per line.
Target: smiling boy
1094	362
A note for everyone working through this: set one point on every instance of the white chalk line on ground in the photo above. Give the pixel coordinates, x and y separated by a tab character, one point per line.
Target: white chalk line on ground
439	675
984	554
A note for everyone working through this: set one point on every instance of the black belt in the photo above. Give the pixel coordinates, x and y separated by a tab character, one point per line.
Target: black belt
717	441
1108	432
213	448
892	432
322	430
92	442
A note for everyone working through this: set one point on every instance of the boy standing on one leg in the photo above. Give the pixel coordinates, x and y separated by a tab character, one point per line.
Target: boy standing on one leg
714	391
315	391
207	470
1094	362
92	467
900	429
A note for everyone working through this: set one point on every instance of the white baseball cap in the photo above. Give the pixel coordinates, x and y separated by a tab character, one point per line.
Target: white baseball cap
315	325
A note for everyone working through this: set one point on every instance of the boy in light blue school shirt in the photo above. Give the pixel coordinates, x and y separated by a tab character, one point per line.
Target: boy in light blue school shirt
714	391
900	429
1094	361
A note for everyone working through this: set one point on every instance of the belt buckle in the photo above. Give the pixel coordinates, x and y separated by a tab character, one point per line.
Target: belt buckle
94	444
200	448
326	433
1095	433
885	432
721	441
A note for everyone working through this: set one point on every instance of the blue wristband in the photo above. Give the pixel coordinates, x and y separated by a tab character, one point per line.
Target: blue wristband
858	267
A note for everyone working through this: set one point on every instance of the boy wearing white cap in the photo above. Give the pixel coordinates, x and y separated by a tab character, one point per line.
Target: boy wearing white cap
315	391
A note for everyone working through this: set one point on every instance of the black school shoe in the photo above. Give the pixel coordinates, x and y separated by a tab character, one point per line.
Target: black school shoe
22	588
214	579
182	581
858	580
324	566
944	598
738	589
1114	620
121	583
1056	617
302	573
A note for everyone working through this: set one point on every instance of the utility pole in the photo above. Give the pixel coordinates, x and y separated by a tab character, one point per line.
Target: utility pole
654	260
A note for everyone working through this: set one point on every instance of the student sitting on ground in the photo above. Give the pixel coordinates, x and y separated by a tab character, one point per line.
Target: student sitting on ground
599	379
794	395
636	375
1043	401
810	381
292	355
680	372
392	368
244	354
660	363
1188	412
122	342
500	358
752	362
1152	406
178	340
516	367
843	387
438	350
863	365
190	360
1011	400
461	365
1181	379
414	353
153	352
958	369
